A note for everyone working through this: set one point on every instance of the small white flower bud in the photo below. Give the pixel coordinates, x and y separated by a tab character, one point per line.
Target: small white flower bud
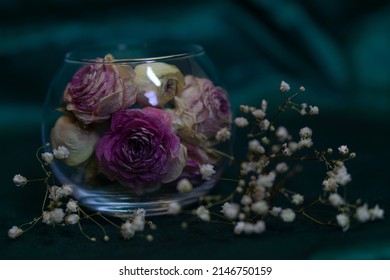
275	211
264	124
297	199
184	186
260	207
61	152
343	150
207	171
376	213
72	219
66	190
241	122
259	227
223	135
287	215
259	114
19	180
255	147
265	140
284	87
281	167
246	200
72	206
336	200
174	208
244	108
282	133
362	214
127	230
305	143
264	105
343	221
248	228
47	157
203	213
15	232
149	238
239	227
305	132
314	110
230	210
241	216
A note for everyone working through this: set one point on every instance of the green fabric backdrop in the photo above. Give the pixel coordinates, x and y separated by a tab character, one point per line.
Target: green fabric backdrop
339	50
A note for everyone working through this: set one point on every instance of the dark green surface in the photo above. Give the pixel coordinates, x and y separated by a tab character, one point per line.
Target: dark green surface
339	51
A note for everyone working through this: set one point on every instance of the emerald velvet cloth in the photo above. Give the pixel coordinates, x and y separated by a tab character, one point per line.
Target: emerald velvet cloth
339	50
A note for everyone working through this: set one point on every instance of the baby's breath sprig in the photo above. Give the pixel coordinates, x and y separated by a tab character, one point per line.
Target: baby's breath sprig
273	157
59	208
261	191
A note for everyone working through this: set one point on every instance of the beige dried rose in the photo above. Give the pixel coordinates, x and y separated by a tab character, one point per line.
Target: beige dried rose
78	140
157	83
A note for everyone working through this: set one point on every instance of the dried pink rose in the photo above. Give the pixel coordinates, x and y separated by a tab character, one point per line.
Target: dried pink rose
141	149
208	103
99	89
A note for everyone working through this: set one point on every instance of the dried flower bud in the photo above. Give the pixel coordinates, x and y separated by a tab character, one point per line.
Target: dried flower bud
47	158
223	134
127	230
287	215
343	150
157	83
19	180
15	232
336	200
260	207
207	171
241	122
314	110
230	210
79	141
174	208
72	206
72	219
297	199
203	213
284	87
343	221
184	186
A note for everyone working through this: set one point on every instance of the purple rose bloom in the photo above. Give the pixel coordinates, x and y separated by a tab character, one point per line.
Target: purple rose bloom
98	90
208	103
141	149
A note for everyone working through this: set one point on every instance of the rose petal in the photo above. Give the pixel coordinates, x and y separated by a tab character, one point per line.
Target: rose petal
177	165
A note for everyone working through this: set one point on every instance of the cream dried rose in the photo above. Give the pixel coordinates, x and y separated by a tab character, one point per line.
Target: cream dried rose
78	140
157	83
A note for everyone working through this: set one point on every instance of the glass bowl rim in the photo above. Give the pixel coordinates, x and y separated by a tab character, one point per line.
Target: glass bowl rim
184	50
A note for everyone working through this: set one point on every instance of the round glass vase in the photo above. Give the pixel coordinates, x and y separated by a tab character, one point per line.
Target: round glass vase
137	127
